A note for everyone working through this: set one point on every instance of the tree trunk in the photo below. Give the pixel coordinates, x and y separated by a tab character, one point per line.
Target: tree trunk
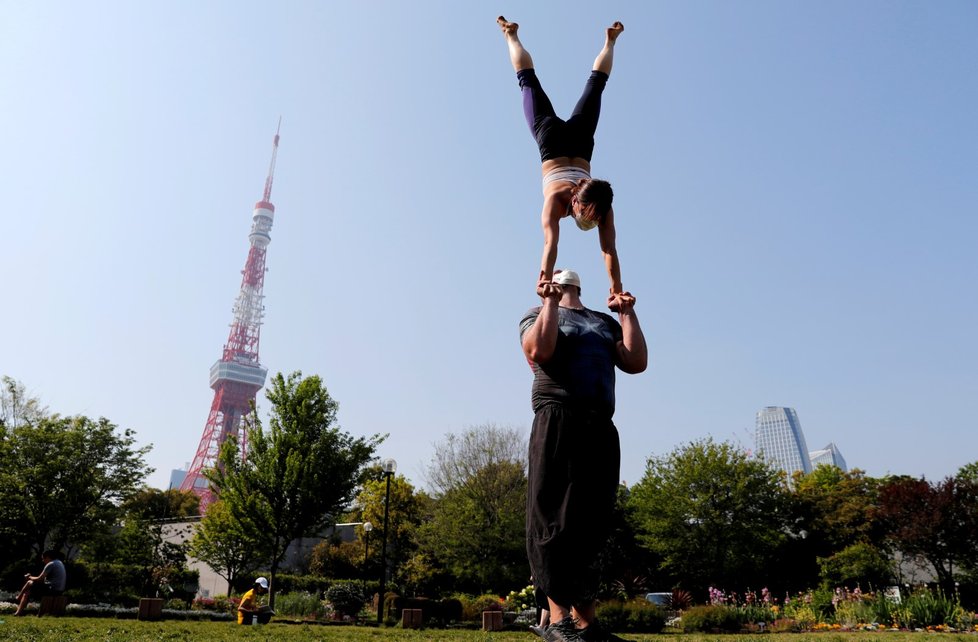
271	583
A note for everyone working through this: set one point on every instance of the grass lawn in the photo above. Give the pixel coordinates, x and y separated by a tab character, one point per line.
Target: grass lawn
70	629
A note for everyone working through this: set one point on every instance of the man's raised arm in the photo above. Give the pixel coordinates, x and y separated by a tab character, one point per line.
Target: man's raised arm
540	340
633	353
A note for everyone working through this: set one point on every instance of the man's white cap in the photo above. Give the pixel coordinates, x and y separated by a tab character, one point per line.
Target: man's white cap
567	277
262	582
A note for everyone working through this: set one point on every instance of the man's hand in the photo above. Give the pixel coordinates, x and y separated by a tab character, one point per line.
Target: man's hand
621	302
548	289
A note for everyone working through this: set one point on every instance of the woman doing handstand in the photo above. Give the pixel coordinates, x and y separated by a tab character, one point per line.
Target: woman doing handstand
565	151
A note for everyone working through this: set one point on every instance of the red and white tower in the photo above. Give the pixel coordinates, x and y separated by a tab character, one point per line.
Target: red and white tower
237	376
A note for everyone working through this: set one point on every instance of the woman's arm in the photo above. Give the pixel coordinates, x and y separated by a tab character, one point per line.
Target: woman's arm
553	210
606	236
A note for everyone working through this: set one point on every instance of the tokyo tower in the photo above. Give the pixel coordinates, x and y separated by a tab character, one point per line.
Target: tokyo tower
237	376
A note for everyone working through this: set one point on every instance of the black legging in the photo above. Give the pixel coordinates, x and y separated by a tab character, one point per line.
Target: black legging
556	137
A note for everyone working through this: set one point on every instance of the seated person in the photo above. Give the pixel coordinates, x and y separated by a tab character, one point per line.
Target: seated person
50	581
249	609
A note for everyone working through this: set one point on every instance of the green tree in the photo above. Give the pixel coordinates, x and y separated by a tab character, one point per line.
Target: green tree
155	504
404	517
17	407
296	476
477	527
713	514
832	511
968	472
860	564
69	475
225	545
627	568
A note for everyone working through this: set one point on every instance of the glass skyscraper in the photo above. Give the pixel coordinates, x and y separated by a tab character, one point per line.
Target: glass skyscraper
829	455
780	441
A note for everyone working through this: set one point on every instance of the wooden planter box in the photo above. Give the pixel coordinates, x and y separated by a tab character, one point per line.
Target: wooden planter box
411	619
492	620
150	608
52	605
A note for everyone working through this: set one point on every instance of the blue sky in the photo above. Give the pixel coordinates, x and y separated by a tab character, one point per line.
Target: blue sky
796	198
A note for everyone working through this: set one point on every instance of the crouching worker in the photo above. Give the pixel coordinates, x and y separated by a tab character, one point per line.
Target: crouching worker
249	610
50	581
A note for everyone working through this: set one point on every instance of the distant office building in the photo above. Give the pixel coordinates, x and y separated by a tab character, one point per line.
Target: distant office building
780	441
176	478
829	455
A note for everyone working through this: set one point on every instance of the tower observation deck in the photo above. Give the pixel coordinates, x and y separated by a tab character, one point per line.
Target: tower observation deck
238	375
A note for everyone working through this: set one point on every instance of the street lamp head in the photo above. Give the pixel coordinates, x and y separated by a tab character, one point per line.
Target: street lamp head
367	527
389	466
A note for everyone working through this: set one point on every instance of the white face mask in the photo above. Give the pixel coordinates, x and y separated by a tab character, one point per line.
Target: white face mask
585	224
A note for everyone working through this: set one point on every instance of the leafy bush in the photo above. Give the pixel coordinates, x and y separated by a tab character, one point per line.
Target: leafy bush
680	600
299	604
123	584
218	603
473	606
521	600
711	619
347	599
432	611
635	616
803	615
925	607
851	613
286	583
785	625
176	604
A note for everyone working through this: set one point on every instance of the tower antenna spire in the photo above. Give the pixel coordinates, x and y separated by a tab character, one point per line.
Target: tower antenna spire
267	196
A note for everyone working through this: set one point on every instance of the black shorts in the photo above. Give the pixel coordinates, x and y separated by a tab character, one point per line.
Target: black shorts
574	461
556	137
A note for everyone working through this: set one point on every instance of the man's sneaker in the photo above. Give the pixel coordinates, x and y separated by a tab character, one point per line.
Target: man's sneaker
596	632
563	631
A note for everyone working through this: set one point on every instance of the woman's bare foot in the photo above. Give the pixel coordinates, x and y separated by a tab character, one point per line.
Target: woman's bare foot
612	32
510	28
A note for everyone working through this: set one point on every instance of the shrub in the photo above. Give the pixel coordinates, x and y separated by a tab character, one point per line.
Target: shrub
473	606
299	604
711	619
785	625
218	603
925	607
176	604
635	616
851	613
680	600
286	583
432	611
123	584
347	599
521	600
803	615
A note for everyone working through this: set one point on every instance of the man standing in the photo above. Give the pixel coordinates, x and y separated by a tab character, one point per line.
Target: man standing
574	452
50	581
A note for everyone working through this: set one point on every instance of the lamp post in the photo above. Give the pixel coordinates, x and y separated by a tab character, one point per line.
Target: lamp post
367	527
389	467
